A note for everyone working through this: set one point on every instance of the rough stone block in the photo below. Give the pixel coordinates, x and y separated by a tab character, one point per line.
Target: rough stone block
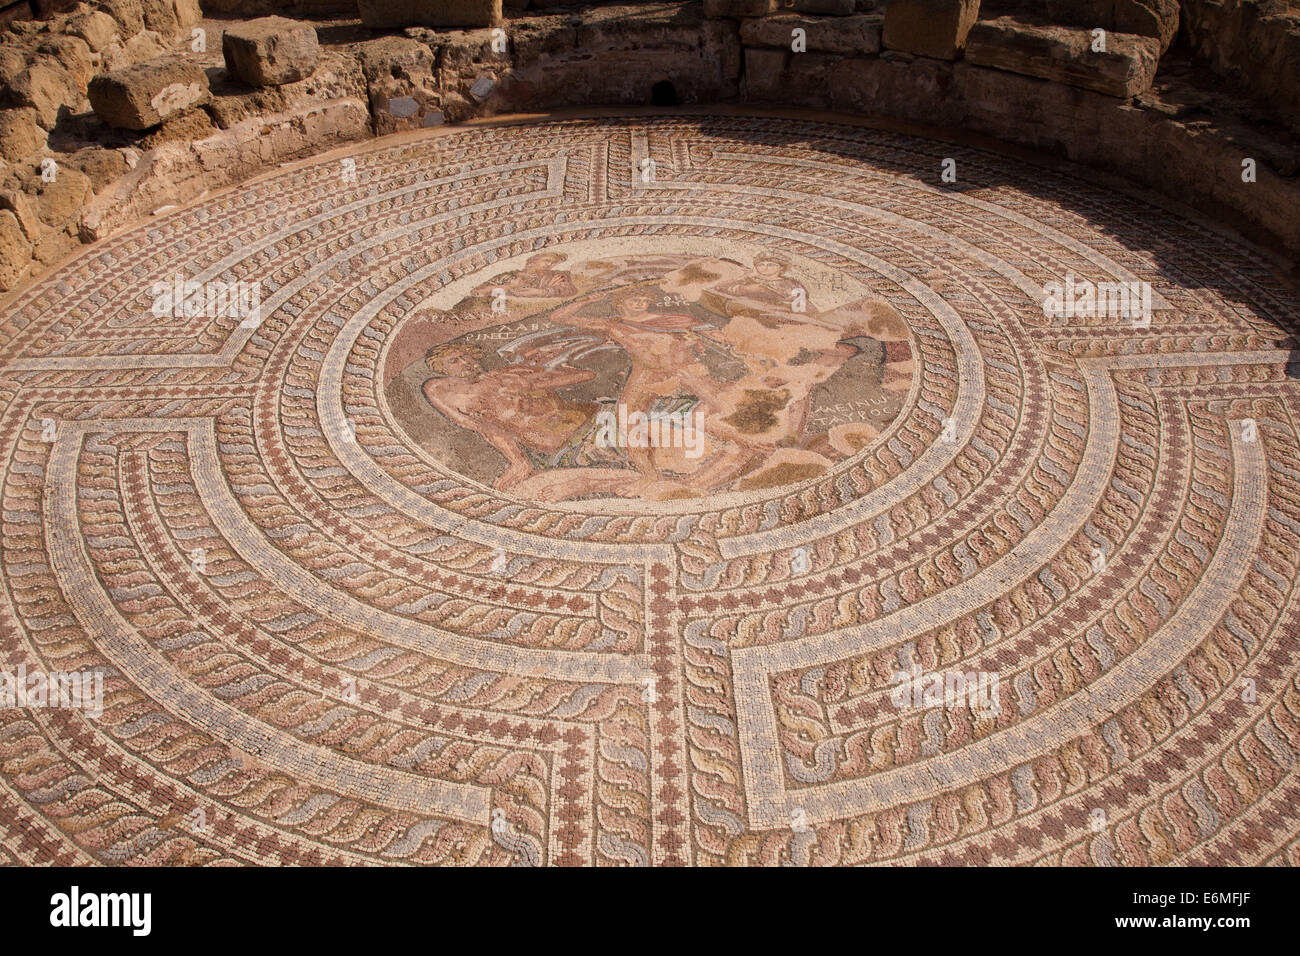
1151	18
71	53
739	8
1065	55
15	251
55	245
12	62
142	96
400	83
141	48
763	72
46	87
160	16
127	13
270	51
388	14
96	27
829	8
1252	44
23	206
935	28
60	202
857	35
897	87
533	38
102	166
20	135
188	13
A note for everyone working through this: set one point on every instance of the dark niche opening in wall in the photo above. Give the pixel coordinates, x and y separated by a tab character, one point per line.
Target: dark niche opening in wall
663	93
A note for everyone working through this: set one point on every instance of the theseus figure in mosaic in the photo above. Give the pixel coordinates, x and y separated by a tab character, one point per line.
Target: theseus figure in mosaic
515	408
757	364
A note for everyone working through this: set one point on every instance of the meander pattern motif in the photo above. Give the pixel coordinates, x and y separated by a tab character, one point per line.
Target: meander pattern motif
349	610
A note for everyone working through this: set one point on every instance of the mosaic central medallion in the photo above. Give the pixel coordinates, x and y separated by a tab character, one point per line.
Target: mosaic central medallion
648	373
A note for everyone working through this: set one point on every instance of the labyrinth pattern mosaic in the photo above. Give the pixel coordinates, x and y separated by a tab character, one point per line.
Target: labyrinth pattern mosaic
342	491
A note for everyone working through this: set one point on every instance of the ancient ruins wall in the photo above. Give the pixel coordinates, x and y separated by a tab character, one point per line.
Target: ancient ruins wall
113	109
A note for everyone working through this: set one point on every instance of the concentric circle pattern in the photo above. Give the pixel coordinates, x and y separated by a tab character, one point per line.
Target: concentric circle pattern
953	578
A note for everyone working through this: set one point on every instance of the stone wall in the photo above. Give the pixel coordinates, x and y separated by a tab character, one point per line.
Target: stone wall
171	120
1254	44
51	167
286	8
641	47
348	8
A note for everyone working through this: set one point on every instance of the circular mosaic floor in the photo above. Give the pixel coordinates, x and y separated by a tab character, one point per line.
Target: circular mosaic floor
651	491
